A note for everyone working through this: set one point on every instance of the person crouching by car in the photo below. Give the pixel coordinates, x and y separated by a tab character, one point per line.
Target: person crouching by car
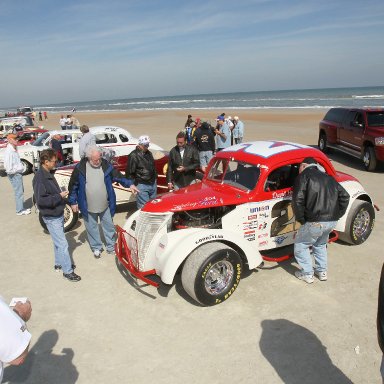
141	168
91	192
183	163
50	200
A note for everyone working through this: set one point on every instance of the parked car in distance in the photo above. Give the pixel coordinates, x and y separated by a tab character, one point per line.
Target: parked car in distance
28	135
356	131
239	215
24	111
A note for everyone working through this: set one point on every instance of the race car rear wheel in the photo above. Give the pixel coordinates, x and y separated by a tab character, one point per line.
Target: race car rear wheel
359	225
70	218
212	273
369	159
27	167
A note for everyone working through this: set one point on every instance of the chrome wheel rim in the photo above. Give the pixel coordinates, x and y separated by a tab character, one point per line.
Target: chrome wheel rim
219	277
68	214
366	159
361	223
321	143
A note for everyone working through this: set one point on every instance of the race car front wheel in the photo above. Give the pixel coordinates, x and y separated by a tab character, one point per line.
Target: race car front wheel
212	273
359	225
70	218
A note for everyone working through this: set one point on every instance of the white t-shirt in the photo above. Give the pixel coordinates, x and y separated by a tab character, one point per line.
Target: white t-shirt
14	336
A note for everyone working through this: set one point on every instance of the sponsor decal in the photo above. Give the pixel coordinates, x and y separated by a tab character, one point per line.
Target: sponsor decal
155	201
279	240
262	235
259	209
357	194
247	227
262	243
161	245
249	232
250	237
208	238
263	214
277	195
252	217
262	226
207	201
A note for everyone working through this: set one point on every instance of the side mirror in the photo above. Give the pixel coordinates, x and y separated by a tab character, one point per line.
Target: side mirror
357	125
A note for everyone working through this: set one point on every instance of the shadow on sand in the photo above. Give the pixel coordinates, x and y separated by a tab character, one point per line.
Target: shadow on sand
297	355
43	366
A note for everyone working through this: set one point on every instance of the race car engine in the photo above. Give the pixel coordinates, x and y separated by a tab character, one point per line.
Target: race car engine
200	218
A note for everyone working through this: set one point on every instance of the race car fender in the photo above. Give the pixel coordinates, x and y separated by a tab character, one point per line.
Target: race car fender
356	192
174	247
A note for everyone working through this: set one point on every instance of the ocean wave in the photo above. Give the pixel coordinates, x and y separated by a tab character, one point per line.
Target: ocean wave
368	96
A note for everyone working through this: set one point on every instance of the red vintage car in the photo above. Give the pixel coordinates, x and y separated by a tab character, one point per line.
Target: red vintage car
28	135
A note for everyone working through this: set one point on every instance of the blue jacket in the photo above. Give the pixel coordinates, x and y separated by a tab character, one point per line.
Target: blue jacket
76	188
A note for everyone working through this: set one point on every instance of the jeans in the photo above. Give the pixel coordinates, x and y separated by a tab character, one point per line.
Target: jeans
55	227
313	235
18	187
92	227
238	140
205	156
146	192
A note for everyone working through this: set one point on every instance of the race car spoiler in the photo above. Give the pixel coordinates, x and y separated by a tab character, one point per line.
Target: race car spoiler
124	255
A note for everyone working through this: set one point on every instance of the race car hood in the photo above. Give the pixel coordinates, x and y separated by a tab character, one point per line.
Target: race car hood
198	196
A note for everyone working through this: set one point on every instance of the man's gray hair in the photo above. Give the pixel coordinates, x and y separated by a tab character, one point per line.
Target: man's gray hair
91	149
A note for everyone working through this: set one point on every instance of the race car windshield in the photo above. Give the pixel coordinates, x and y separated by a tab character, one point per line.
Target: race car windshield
39	142
237	174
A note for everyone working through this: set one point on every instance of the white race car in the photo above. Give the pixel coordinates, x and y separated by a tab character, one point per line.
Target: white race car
115	138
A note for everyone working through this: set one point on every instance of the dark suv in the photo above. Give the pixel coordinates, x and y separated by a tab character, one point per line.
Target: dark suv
356	131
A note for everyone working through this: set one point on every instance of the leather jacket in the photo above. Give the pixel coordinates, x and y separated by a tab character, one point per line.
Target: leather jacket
190	162
318	197
141	167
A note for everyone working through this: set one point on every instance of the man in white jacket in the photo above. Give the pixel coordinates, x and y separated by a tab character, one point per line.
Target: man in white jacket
14	169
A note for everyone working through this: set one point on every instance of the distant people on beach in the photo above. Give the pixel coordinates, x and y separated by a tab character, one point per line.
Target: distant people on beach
45	116
68	122
189	121
63	122
73	110
40	116
238	131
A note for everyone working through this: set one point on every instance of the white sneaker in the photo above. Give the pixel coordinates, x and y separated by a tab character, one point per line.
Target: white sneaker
302	276
322	276
25	212
97	253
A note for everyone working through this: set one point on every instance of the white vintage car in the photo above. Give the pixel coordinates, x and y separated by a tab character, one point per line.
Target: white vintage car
115	138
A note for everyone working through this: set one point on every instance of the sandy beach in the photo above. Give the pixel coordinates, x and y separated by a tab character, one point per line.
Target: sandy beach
275	328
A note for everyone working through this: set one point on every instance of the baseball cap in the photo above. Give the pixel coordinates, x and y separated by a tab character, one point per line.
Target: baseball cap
144	140
220	118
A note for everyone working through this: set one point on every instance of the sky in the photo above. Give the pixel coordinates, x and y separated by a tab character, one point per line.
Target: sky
65	51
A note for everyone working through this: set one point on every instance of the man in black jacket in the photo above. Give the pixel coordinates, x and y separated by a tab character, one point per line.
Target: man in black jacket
50	201
141	168
183	163
205	143
318	202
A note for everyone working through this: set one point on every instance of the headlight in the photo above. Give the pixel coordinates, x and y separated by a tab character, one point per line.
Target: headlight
379	140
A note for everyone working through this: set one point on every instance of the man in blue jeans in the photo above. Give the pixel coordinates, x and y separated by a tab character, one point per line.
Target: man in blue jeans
91	192
318	202
50	200
14	169
141	168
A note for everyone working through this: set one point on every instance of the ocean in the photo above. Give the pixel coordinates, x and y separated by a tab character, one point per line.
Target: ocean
290	99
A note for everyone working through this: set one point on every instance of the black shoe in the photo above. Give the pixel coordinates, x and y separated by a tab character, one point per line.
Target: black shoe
58	267
72	276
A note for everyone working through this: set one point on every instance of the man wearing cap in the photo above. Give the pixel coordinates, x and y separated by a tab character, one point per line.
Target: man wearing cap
14	169
141	168
238	130
14	335
223	134
318	202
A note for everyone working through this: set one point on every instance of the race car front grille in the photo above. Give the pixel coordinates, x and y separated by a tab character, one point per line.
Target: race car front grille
147	226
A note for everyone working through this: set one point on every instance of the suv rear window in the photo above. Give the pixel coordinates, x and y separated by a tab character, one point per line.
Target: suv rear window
375	119
335	114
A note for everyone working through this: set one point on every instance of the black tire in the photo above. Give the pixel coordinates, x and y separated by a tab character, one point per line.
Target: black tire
212	273
27	167
359	224
369	159
322	143
70	219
